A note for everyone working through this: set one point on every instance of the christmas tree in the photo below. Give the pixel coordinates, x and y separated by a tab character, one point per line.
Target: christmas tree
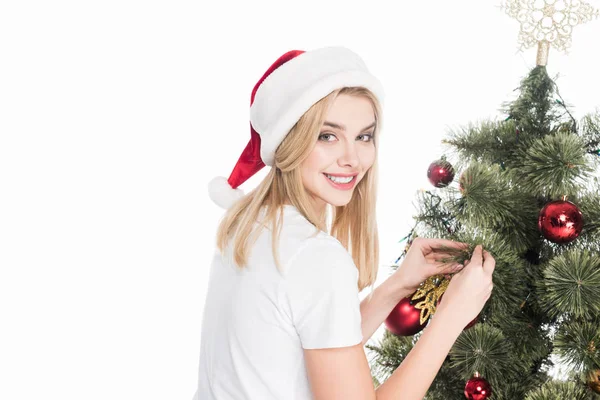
526	189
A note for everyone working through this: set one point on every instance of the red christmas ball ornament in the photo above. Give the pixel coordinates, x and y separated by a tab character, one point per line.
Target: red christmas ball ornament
560	221
405	318
440	173
477	388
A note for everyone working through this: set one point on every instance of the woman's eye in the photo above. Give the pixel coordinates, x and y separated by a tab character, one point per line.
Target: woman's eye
368	136
326	137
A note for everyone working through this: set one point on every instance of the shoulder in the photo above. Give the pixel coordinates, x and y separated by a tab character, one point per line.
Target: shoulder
322	258
300	241
321	246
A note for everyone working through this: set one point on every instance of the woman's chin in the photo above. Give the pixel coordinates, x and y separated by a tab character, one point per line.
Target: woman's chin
340	200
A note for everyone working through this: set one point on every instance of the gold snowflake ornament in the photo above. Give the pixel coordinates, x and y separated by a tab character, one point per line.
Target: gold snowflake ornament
430	293
548	23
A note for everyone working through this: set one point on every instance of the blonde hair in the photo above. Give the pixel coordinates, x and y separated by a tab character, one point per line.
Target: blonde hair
354	224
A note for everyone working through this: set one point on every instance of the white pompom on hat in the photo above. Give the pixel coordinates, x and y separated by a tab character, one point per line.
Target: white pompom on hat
291	85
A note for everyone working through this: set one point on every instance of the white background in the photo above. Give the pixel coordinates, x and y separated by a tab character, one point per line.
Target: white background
114	115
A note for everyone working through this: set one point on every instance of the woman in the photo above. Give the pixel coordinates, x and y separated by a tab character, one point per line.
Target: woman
282	317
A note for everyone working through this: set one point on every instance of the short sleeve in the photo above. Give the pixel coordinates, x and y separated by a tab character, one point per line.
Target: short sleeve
321	284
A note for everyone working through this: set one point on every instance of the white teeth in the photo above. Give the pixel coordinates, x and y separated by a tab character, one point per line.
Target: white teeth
339	179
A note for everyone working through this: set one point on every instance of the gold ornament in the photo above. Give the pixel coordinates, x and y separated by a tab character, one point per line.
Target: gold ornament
548	23
594	380
432	289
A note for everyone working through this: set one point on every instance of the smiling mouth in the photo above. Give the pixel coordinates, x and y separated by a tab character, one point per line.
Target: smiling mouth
341	183
340	180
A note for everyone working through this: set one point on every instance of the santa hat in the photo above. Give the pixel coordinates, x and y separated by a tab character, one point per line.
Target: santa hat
295	81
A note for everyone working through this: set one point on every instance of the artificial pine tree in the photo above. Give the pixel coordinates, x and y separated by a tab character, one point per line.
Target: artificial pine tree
526	189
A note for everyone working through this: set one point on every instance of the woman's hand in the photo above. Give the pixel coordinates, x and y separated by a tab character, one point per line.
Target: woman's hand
469	289
426	258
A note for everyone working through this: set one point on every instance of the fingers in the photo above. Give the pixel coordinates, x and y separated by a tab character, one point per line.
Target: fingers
477	256
446	264
489	263
459	268
447	243
482	258
428	245
437	257
454	268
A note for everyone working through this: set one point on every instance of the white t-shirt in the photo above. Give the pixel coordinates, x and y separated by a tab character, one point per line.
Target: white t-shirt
257	321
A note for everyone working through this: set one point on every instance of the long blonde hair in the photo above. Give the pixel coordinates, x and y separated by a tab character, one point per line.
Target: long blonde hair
354	224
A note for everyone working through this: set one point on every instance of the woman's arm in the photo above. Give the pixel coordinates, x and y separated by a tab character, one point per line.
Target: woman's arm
375	310
412	378
343	373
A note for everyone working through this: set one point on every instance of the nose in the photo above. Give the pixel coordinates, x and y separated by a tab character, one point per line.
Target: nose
349	156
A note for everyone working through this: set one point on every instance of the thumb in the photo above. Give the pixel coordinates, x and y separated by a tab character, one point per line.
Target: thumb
477	256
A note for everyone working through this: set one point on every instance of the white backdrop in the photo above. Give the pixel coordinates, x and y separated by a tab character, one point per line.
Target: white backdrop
114	116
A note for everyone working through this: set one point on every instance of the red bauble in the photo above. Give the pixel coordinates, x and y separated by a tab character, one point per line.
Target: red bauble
440	173
404	320
477	388
560	221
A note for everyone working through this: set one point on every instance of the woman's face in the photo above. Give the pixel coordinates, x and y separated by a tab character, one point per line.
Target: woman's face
343	154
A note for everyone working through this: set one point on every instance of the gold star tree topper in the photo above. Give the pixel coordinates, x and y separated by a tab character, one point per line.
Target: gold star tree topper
548	23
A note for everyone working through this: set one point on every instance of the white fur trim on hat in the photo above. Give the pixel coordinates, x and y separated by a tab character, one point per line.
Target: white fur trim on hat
289	91
221	192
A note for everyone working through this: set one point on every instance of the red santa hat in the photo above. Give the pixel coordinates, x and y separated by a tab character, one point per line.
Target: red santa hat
291	85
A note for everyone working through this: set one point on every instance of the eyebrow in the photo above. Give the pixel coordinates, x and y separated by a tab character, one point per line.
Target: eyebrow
343	128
